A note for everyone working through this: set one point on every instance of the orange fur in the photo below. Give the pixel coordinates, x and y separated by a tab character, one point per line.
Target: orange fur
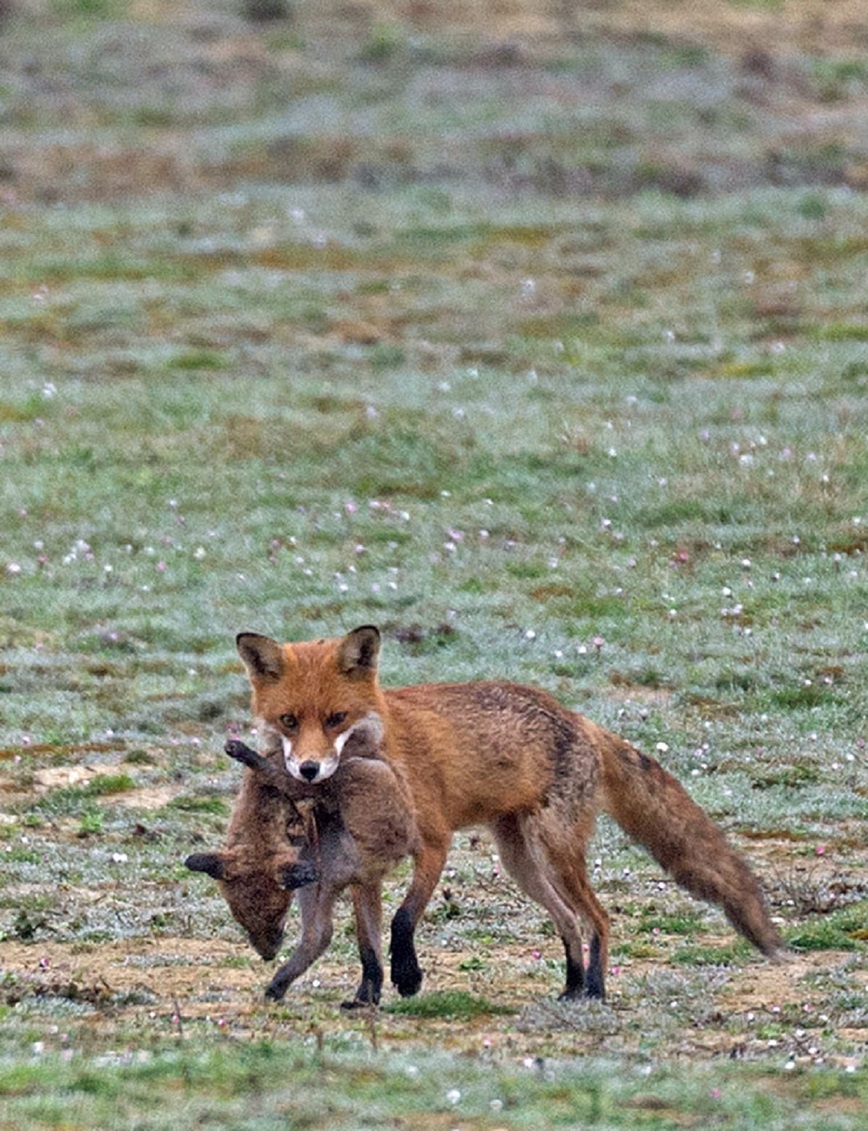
500	754
488	752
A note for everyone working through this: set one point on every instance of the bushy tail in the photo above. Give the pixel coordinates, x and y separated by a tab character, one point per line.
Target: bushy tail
653	808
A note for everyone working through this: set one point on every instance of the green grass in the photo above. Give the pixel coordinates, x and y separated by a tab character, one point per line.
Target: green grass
450	1006
841	930
258	1087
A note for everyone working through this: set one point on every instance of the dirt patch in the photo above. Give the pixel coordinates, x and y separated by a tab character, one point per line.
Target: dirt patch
147	799
62	777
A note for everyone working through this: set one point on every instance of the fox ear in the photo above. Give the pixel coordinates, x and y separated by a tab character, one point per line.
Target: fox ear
211	863
262	656
359	651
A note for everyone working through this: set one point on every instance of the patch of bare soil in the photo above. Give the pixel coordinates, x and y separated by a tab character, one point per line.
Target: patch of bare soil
163	984
481	938
161	972
166	979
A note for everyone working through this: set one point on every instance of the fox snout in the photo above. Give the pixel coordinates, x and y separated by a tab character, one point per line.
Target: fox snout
311	770
313	758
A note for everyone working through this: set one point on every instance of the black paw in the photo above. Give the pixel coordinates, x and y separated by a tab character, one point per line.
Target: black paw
405	970
275	992
240	752
583	993
407	979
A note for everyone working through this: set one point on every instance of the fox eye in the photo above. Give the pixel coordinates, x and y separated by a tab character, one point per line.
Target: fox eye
335	720
290	722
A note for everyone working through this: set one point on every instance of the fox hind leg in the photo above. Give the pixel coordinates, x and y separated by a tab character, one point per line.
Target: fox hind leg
566	859
562	888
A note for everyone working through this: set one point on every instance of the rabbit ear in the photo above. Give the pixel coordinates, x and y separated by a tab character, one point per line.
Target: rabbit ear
262	656
213	864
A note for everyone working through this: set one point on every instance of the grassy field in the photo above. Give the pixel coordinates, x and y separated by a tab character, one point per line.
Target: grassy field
535	335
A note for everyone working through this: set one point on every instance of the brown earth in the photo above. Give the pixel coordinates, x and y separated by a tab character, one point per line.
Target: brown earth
144	984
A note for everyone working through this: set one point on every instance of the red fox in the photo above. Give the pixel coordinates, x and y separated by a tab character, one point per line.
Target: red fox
500	754
286	836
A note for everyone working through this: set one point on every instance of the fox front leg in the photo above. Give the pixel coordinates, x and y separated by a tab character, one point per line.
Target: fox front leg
429	863
368	908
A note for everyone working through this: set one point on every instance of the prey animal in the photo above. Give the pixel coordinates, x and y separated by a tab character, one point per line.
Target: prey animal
285	837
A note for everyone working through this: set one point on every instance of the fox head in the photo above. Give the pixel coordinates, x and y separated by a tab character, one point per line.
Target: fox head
258	890
317	701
